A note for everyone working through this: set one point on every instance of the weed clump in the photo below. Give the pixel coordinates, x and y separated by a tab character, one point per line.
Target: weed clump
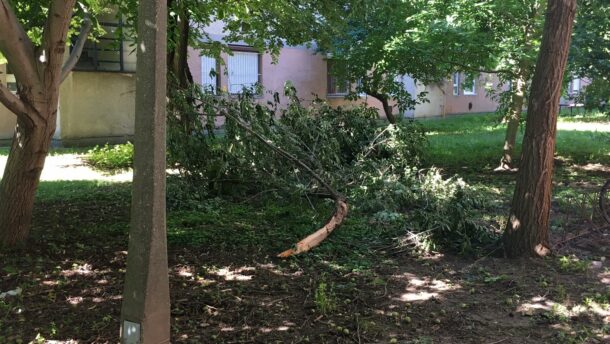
111	157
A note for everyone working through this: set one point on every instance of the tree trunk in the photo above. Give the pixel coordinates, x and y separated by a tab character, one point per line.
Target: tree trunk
39	71
177	55
514	118
387	108
527	231
20	180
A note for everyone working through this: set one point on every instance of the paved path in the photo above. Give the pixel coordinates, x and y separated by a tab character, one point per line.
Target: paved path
72	167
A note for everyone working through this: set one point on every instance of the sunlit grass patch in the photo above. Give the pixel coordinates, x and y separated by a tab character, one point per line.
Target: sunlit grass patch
475	142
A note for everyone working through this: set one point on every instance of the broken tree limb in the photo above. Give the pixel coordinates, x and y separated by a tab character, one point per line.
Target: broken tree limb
321	234
341	209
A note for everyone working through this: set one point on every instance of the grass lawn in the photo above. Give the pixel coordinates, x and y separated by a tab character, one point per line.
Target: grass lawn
359	286
474	142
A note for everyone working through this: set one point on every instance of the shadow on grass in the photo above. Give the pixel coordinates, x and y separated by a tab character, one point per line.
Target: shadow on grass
227	286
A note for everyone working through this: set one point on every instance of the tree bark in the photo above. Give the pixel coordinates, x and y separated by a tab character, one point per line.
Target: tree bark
177	56
514	118
527	231
38	71
22	173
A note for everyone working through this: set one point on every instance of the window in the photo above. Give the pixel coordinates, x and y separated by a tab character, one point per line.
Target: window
209	74
456	84
110	53
470	86
243	70
11	83
576	86
336	86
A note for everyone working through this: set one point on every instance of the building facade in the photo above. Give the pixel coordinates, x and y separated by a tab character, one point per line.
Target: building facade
97	100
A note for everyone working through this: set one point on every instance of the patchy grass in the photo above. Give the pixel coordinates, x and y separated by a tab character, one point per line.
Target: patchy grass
359	286
227	286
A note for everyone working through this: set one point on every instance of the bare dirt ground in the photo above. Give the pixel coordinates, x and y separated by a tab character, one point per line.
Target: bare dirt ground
72	284
70	280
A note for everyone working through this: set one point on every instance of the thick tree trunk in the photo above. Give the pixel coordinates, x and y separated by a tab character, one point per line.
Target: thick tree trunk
527	231
514	118
20	180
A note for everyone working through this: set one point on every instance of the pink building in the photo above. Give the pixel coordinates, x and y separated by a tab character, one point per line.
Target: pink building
308	72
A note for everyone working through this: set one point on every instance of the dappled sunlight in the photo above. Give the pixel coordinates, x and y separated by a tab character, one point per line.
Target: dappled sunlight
604	277
78	269
583	126
537	303
274	269
234	274
184	271
425	288
285	327
548	307
591	167
74	300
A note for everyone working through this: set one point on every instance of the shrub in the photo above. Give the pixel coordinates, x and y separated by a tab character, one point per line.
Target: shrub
111	157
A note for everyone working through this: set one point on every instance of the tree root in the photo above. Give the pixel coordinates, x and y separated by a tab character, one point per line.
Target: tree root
504	168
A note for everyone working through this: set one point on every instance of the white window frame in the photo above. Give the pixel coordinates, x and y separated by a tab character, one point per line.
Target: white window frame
470	91
339	90
456	84
235	80
11	83
333	81
206	79
576	86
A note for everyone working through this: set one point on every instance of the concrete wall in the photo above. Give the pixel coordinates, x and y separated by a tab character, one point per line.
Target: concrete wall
436	101
7	118
97	107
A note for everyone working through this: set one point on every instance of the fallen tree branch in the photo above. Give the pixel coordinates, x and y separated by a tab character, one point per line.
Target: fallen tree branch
318	236
341	207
